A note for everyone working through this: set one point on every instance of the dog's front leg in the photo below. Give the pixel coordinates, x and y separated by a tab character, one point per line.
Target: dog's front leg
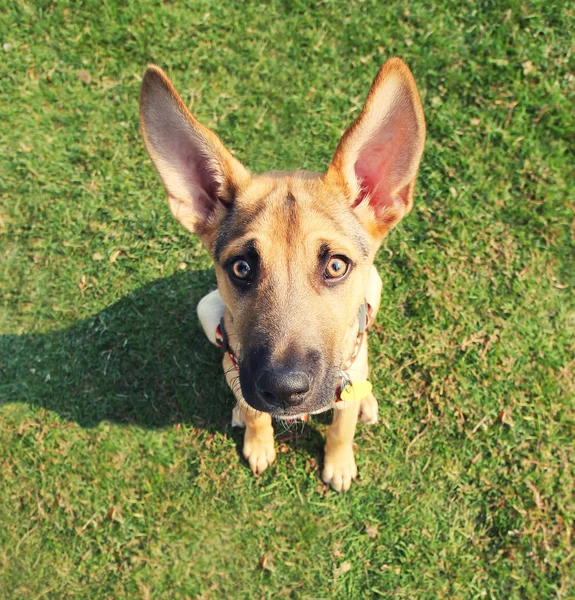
259	446
339	465
339	468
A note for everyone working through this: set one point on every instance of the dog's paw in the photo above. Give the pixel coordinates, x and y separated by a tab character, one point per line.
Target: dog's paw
259	450
368	410
339	469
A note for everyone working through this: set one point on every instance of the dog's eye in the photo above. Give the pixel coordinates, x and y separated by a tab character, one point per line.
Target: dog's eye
336	268
241	269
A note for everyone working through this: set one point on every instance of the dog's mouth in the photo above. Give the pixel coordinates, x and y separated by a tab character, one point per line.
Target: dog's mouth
295	413
300	416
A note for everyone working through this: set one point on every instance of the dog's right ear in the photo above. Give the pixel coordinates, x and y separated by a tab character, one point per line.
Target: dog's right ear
201	177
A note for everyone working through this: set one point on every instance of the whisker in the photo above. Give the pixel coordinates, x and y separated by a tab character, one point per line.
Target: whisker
229	370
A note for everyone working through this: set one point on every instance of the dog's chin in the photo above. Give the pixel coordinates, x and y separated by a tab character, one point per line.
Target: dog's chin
318	403
299	412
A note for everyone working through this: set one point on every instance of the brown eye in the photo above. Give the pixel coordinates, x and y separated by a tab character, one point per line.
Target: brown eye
336	268
241	269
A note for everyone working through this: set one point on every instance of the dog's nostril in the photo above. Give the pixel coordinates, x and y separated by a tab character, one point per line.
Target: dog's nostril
283	386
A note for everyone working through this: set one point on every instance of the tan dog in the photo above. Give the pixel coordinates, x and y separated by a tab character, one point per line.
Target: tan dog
293	255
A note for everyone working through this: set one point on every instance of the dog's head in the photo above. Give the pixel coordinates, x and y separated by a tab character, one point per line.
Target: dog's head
292	251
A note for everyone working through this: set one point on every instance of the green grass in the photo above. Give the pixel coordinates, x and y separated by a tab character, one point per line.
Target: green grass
119	473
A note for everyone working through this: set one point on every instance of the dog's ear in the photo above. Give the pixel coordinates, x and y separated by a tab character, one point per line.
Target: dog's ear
200	175
377	158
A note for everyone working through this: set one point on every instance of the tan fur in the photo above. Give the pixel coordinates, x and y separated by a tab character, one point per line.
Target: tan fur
285	301
289	216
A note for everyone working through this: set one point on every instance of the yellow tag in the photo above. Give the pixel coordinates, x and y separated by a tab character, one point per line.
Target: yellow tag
356	390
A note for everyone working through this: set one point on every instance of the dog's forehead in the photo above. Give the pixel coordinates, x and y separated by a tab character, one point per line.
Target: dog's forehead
289	210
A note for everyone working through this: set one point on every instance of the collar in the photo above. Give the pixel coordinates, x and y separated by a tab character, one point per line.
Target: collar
364	321
223	342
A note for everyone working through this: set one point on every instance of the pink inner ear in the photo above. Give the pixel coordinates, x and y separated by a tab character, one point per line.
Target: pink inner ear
382	163
182	149
371	171
201	181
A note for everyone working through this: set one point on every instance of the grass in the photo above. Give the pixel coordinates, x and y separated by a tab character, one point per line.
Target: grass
120	473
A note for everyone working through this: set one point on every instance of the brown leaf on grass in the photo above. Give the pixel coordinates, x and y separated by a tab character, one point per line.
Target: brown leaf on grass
536	495
84	76
510	113
115	514
266	562
558	285
114	256
492	338
528	67
337	553
145	590
480	338
475	338
97	256
345	567
505	416
86	555
371	531
477	458
311	464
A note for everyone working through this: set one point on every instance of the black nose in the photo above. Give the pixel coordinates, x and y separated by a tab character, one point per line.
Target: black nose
283	387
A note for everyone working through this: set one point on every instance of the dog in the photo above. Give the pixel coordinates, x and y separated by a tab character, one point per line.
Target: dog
293	255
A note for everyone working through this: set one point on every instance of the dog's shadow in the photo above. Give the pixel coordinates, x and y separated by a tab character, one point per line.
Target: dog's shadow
142	361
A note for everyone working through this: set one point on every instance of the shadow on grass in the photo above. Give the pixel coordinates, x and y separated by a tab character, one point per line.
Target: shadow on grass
142	361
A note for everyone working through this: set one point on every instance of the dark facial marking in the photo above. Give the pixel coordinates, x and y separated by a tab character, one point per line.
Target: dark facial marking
324	252
291	209
234	225
350	227
228	196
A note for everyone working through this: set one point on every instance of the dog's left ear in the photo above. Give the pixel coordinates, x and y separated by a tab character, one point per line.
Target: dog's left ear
200	175
377	158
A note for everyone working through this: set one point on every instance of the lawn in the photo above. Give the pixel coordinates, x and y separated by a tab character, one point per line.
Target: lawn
120	475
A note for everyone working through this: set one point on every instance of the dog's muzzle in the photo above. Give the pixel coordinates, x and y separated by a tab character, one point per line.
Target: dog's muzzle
282	388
